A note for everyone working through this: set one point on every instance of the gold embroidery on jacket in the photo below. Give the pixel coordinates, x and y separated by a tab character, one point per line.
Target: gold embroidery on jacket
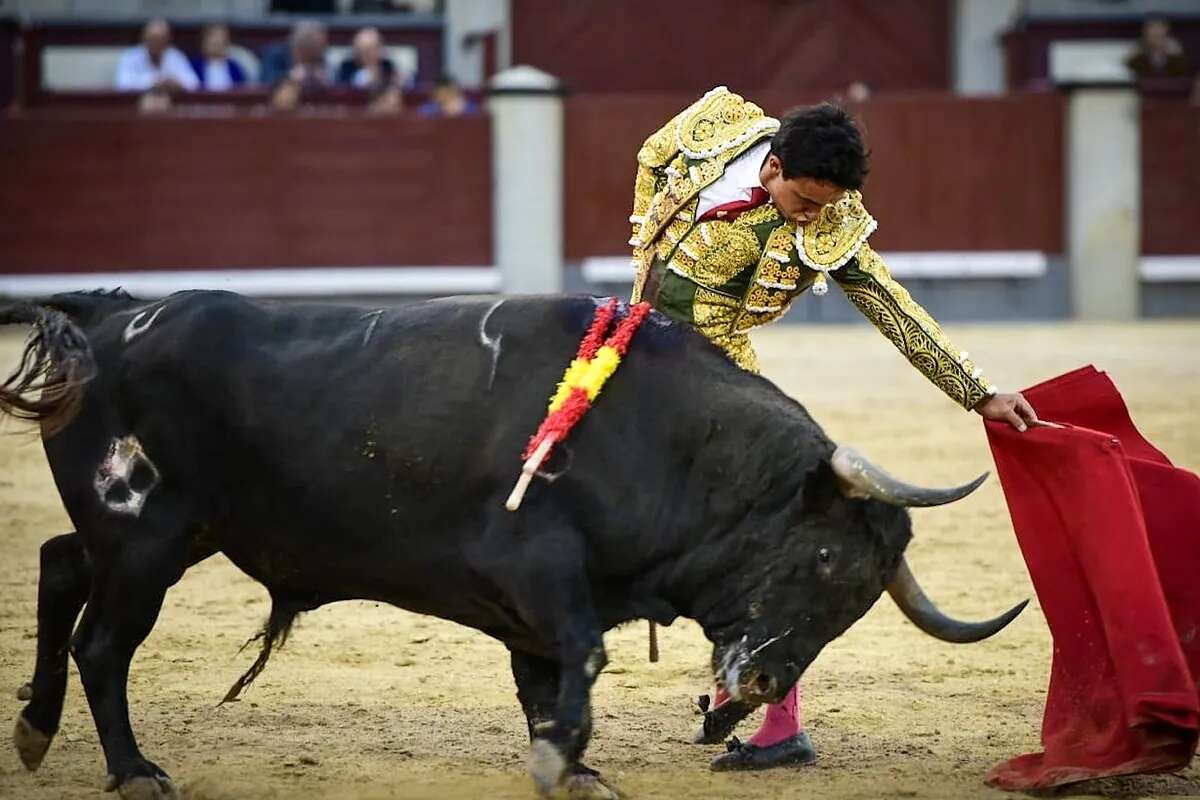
766	301
719	122
717	128
892	310
838	232
734	247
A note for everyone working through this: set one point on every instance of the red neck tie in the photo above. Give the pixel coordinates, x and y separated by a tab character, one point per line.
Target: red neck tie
727	212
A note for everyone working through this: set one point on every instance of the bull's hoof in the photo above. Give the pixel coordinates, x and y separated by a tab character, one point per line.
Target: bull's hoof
31	743
147	788
795	751
25	693
590	787
546	766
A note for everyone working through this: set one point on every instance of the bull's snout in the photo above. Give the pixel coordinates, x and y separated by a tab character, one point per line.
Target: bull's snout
750	684
753	674
759	687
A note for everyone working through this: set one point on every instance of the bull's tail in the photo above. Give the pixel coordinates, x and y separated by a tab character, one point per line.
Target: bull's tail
49	382
273	635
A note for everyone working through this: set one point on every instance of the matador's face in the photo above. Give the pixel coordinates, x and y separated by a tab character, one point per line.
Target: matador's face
799	199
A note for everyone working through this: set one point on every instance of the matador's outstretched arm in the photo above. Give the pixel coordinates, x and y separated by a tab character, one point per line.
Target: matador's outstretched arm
869	286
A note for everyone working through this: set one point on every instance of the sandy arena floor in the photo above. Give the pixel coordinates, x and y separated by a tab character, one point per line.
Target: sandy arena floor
373	702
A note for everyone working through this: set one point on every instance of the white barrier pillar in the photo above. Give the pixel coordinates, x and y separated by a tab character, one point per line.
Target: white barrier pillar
978	49
1104	186
527	194
467	22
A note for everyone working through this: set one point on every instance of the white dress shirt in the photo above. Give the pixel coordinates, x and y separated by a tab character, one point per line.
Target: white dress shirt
137	73
741	175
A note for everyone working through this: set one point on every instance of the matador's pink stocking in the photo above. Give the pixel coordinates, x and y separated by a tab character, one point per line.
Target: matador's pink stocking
782	720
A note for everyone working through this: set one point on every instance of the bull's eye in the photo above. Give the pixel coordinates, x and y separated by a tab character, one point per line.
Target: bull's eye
823	555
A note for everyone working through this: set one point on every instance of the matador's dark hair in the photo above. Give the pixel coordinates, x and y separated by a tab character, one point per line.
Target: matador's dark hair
821	142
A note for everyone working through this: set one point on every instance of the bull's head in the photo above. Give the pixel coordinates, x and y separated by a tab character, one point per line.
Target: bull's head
844	543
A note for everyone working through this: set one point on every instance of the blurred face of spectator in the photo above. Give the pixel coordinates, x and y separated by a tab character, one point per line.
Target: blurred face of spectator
156	36
216	42
1156	35
449	96
308	44
368	48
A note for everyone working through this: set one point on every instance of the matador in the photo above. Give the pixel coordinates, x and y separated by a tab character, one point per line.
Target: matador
735	215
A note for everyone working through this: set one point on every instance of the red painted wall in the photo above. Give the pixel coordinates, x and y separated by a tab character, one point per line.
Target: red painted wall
947	173
693	45
123	193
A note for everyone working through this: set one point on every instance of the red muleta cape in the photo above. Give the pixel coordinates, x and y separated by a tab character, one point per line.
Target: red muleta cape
1110	531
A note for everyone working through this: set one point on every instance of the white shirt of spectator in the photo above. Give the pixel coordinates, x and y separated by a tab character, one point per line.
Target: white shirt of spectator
217	77
741	175
136	73
362	78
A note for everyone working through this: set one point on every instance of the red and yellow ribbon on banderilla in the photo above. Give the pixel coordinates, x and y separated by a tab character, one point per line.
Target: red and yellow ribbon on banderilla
594	363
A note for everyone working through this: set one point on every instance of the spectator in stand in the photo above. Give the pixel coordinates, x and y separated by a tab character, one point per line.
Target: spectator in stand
155	63
301	58
1159	54
448	100
215	69
367	67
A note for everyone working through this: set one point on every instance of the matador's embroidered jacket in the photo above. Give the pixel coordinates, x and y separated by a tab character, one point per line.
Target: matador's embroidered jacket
729	277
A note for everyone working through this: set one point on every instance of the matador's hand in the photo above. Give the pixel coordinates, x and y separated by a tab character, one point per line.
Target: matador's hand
1011	408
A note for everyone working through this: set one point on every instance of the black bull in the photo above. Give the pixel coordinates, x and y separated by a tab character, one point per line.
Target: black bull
337	453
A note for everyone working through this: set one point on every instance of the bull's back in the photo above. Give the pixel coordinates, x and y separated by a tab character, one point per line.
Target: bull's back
320	431
422	410
368	450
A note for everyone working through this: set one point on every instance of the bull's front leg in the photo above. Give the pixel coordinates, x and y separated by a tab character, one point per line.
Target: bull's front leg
537	688
551	591
559	744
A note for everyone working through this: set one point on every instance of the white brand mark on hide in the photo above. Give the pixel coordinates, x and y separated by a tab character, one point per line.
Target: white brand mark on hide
140	324
374	317
490	342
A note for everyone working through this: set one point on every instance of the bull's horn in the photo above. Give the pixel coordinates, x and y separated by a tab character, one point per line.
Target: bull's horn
860	478
921	611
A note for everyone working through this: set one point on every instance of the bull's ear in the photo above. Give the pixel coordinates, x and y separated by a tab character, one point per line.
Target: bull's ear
821	488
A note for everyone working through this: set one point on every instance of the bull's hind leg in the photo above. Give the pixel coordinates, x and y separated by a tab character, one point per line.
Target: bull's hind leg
134	562
63	584
537	689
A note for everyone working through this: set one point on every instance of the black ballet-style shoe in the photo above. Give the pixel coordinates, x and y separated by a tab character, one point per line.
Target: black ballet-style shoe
795	751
